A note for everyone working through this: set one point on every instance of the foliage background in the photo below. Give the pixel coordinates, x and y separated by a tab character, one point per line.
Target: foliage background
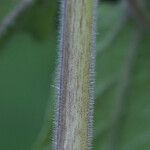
28	56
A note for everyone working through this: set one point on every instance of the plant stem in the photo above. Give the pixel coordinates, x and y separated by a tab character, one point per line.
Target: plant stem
76	70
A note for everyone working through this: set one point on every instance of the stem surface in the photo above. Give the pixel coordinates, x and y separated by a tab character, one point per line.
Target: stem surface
74	112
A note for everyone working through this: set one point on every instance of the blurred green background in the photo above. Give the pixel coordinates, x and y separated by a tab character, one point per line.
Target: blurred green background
28	58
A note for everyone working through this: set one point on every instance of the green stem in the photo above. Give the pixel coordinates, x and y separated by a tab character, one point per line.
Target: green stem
75	98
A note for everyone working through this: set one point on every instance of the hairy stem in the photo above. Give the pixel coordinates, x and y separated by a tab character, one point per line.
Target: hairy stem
75	98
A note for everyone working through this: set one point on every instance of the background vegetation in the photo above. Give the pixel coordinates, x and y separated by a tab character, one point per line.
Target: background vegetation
28	56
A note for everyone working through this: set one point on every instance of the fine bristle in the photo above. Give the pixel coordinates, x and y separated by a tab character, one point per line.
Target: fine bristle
92	79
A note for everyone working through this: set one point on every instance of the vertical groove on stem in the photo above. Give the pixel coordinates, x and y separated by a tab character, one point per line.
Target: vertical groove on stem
75	76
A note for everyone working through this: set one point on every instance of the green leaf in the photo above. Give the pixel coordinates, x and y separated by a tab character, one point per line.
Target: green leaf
123	81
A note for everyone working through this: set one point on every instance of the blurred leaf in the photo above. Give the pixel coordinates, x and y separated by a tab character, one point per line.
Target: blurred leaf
122	111
26	72
6	6
40	19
